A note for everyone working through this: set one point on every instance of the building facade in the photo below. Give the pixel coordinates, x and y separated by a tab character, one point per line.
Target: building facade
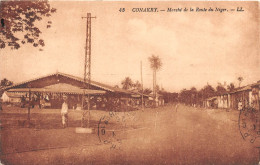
248	96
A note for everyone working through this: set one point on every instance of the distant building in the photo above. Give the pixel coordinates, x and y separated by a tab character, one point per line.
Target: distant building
11	97
248	95
211	102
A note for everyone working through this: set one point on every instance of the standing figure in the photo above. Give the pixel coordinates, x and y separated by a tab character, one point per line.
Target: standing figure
240	105
33	102
176	106
23	101
64	112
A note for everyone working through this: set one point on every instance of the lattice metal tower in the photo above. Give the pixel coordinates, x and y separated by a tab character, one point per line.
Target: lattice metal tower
87	67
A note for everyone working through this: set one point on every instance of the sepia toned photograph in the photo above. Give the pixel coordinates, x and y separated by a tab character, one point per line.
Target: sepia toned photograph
129	82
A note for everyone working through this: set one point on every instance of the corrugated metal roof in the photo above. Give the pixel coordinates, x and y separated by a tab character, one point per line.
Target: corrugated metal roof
256	84
48	90
94	83
15	95
245	88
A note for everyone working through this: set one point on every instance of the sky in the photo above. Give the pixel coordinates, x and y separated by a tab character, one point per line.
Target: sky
196	48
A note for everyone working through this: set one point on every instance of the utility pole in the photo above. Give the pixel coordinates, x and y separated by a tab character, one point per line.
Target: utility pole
154	87
87	69
142	86
29	106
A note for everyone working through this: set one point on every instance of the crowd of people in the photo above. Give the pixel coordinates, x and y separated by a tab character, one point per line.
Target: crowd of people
33	101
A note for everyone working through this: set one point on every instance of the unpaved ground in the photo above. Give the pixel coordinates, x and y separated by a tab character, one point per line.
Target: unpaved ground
153	136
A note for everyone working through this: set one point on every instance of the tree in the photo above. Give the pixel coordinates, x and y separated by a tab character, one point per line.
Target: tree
18	20
189	97
155	64
240	79
208	91
183	96
220	89
147	91
137	85
231	87
169	97
127	83
5	83
193	96
193	89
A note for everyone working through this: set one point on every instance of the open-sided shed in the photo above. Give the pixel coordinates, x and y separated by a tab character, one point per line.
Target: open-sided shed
51	88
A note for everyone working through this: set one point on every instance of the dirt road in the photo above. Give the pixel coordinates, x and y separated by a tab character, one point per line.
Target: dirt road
155	136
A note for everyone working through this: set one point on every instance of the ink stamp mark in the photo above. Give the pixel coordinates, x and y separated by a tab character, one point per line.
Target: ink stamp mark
111	128
249	125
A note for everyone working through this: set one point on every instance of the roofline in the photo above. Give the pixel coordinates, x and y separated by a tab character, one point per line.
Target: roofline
95	83
80	79
46	90
23	82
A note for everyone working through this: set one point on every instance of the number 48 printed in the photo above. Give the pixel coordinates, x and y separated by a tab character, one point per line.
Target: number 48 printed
122	9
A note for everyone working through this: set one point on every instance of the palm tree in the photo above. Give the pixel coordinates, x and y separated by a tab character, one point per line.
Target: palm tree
240	79
155	64
137	86
127	83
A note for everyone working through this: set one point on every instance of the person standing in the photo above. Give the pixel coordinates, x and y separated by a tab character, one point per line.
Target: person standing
64	112
240	105
23	101
33	102
176	106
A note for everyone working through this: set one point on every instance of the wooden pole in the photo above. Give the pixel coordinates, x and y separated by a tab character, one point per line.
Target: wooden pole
142	86
29	107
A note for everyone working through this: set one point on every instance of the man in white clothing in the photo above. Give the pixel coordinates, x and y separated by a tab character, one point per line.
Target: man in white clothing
240	105
64	112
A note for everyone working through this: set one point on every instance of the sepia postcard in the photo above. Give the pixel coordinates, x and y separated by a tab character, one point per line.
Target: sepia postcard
129	82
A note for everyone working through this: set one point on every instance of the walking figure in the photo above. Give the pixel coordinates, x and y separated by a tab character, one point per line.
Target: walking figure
176	106
240	105
64	112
